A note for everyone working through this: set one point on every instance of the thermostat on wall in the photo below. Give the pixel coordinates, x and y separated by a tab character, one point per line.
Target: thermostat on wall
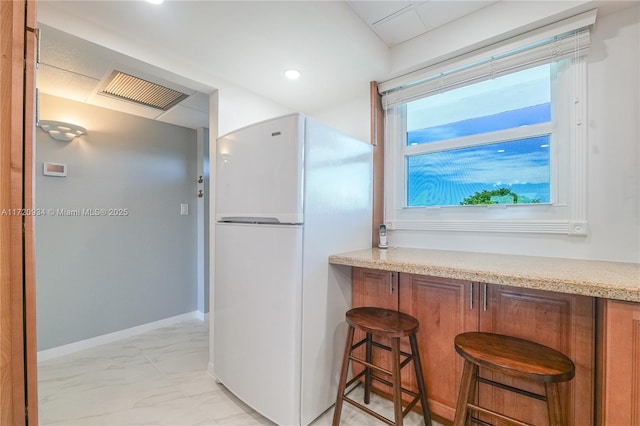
54	169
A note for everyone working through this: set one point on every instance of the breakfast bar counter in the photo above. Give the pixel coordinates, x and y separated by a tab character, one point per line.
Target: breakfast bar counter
587	309
608	280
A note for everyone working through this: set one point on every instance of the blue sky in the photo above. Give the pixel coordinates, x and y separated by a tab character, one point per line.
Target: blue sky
447	177
510	92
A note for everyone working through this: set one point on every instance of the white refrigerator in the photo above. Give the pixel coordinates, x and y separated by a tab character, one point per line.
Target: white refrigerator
288	193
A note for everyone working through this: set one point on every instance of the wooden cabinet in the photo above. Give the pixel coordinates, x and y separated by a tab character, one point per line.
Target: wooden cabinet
444	308
447	307
618	363
564	322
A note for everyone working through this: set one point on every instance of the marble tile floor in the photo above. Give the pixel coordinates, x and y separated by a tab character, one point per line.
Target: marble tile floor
157	378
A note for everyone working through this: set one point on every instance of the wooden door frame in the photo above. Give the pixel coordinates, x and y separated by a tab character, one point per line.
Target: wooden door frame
377	140
18	364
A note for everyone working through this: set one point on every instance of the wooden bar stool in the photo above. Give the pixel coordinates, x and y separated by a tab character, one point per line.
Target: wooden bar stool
514	357
393	325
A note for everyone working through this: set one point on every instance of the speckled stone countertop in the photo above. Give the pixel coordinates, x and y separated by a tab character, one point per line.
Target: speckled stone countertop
610	280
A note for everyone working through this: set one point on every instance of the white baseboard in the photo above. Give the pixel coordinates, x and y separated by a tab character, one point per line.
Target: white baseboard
56	352
204	317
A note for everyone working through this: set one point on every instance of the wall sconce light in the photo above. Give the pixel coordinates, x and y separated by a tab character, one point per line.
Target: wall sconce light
60	130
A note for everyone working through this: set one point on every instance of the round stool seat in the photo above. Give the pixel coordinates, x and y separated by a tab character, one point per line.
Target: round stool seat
515	357
382	322
509	356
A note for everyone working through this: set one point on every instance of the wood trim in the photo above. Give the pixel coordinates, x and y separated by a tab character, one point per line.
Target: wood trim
31	346
635	372
18	354
377	140
601	361
12	386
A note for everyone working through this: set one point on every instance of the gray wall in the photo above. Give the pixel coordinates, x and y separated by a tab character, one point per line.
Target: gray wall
97	275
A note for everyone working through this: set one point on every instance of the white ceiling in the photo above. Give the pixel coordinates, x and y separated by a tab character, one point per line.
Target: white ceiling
200	46
398	21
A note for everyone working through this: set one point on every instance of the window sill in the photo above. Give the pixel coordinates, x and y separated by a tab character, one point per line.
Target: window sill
577	228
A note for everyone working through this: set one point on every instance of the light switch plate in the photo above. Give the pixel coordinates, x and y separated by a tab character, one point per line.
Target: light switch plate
184	209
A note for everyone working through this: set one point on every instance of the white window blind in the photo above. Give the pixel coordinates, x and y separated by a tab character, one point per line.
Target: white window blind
563	39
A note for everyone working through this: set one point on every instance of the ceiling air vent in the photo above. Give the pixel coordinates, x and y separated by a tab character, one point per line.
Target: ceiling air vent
133	89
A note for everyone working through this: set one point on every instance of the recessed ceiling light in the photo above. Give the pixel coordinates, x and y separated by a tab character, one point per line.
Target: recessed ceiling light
155	1
292	74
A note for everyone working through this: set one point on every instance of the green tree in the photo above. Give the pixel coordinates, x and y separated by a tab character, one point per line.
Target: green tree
484	197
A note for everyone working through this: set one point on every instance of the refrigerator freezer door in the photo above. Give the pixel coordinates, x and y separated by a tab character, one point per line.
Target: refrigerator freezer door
259	171
257	316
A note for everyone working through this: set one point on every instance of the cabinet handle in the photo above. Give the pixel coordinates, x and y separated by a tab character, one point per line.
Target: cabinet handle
484	303
390	282
471	297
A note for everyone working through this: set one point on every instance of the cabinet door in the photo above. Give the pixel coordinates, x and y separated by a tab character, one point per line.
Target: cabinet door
619	363
444	307
371	287
561	321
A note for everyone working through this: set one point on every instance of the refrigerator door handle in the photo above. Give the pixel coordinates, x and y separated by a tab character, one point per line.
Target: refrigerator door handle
243	219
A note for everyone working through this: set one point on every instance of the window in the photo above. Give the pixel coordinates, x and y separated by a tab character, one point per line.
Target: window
492	143
487	143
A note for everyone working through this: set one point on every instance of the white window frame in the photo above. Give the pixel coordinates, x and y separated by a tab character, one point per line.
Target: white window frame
565	214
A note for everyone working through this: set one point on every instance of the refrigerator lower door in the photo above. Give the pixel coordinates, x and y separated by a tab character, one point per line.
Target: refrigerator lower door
257	316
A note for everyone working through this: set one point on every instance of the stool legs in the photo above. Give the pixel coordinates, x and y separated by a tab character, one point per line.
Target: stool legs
396	379
417	364
553	404
467	393
343	377
397	391
367	370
